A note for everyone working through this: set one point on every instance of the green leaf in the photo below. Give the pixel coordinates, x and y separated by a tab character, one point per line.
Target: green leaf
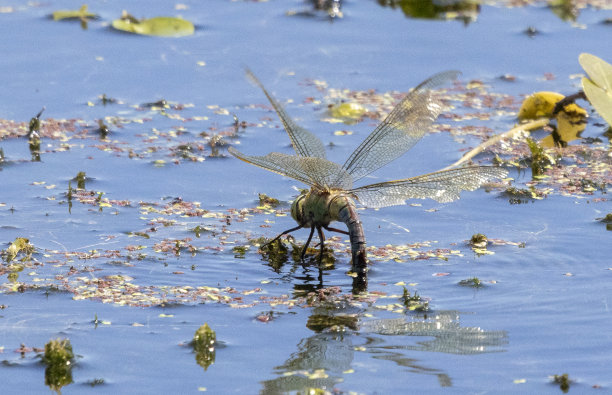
599	71
598	89
159	26
81	13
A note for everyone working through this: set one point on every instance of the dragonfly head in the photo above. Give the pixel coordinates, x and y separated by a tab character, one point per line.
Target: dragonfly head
297	209
317	207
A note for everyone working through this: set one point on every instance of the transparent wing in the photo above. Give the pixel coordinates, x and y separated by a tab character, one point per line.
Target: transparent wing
318	172
304	142
442	186
401	130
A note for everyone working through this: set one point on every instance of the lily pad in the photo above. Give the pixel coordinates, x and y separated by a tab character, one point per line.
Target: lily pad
598	89
159	26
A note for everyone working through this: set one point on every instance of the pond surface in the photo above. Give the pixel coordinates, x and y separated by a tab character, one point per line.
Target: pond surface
153	240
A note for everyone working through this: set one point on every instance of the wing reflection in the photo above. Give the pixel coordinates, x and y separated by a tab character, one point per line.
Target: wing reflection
449	336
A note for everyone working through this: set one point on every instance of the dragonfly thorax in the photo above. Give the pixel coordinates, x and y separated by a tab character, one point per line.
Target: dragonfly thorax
317	207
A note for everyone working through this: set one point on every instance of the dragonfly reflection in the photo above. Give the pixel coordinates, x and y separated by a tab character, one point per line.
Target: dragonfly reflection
332	196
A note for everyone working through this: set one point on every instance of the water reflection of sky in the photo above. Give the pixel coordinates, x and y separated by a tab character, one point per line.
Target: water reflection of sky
545	306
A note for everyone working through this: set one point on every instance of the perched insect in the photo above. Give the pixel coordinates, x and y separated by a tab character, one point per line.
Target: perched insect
332	197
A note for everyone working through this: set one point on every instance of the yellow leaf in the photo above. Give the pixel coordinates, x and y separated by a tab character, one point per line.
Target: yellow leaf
347	110
538	105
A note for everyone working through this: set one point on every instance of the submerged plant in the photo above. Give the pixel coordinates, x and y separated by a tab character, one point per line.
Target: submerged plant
34	136
204	341
59	359
563	380
473	282
540	160
103	129
80	179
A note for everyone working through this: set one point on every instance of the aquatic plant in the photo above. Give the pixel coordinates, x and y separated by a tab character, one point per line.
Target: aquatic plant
203	344
159	26
59	359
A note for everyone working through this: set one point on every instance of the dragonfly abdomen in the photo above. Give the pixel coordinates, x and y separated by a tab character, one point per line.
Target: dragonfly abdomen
347	213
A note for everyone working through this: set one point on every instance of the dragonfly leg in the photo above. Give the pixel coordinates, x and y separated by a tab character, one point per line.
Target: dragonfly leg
312	228
322	238
279	236
344	232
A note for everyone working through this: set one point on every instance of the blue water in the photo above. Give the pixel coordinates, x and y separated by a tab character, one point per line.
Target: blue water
543	309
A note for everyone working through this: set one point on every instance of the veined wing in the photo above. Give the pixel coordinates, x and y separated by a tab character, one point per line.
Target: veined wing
442	186
304	142
318	172
401	130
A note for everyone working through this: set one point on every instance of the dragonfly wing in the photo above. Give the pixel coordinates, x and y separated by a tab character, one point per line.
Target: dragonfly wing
401	130
317	172
304	142
442	186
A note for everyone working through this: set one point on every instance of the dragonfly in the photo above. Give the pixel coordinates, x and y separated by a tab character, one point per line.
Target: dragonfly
332	197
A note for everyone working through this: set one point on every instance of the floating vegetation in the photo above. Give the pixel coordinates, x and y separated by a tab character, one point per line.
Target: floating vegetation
159	26
80	179
347	112
22	246
563	380
335	323
150	133
267	201
607	220
465	11
275	252
479	243
103	129
525	195
479	240
413	302
81	14
203	343
473	282
104	100
95	382
240	251
540	160
59	359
